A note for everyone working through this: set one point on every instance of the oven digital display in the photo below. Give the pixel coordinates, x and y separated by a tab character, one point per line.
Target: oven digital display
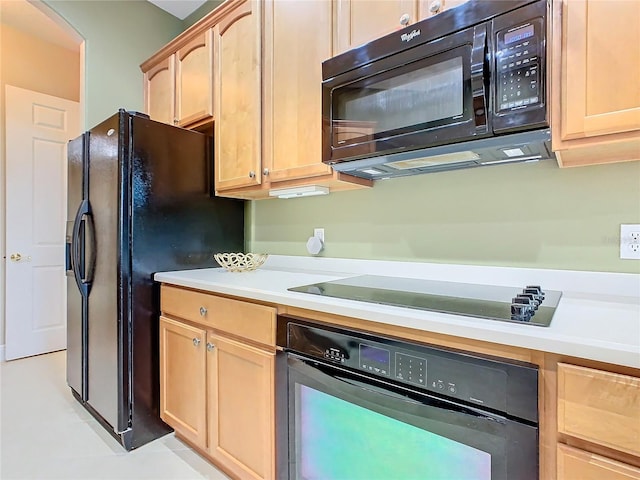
336	439
374	354
519	34
374	359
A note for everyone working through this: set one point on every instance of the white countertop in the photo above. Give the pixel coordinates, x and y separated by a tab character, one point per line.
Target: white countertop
598	316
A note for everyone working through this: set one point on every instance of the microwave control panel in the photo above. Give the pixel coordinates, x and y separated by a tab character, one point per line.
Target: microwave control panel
518	62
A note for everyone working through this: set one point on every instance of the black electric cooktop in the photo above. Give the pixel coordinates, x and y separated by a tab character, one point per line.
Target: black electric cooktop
528	304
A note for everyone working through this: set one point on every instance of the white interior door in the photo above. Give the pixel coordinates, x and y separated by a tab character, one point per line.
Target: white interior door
38	127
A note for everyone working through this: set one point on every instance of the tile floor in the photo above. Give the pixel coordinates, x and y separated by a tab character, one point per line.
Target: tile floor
46	434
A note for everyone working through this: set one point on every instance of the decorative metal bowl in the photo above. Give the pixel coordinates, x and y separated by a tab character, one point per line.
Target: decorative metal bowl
240	262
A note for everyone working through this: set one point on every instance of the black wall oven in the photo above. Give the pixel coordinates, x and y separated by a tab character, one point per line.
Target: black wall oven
354	406
476	71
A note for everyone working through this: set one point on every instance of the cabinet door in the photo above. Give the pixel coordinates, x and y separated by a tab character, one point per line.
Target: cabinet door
292	126
183	379
241	408
159	88
237	52
194	80
360	21
601	68
429	8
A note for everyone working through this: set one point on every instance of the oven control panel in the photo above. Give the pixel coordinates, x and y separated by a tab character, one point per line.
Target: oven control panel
468	377
518	65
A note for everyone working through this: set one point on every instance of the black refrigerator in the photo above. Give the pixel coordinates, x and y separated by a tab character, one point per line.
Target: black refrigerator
140	200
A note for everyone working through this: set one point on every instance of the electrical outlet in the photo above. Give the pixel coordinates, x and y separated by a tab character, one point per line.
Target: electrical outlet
630	241
319	232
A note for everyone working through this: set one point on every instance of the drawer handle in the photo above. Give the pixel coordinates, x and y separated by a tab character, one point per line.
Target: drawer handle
203	311
210	347
196	342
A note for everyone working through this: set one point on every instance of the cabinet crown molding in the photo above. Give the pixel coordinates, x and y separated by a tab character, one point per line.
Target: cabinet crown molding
202	25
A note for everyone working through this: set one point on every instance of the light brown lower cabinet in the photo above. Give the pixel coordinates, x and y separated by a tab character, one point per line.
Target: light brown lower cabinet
183	379
574	464
597	408
241	407
600	407
217	379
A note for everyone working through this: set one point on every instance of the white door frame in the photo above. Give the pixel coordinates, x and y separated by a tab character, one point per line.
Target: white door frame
69	29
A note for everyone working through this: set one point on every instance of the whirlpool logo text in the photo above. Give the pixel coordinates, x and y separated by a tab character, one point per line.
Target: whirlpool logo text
407	37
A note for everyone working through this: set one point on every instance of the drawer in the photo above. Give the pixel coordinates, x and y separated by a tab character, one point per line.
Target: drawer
574	464
599	406
247	320
193	306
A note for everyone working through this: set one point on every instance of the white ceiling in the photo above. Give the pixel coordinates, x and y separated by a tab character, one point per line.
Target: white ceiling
29	19
179	8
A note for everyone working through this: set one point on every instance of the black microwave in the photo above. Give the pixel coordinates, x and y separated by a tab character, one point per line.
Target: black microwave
465	88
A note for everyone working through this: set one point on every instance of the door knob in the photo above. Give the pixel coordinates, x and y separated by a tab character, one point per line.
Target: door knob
16	257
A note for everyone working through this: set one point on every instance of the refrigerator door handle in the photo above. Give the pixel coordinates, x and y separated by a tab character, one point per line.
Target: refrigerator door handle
90	264
75	247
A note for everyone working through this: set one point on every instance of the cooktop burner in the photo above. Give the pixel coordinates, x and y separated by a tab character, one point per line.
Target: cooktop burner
529	305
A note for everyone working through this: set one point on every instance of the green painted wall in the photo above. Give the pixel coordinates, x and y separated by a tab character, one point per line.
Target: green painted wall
119	36
205	8
523	215
530	215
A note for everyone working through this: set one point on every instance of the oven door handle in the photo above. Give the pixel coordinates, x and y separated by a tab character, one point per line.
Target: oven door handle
426	399
480	78
377	390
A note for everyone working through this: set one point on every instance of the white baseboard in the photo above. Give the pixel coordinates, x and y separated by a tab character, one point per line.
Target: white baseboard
2	357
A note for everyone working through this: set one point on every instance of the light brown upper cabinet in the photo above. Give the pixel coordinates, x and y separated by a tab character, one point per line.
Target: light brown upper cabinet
279	145
297	38
194	80
237	89
357	22
596	72
360	21
159	89
429	8
178	81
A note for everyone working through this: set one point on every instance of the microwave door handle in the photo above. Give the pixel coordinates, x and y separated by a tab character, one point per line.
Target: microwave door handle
480	70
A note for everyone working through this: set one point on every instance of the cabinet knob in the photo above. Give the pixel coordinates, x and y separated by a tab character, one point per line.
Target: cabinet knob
404	19
265	172
196	342
435	6
210	347
175	121
252	174
203	311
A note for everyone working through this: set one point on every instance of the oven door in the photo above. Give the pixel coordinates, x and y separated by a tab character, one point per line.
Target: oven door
430	94
343	425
